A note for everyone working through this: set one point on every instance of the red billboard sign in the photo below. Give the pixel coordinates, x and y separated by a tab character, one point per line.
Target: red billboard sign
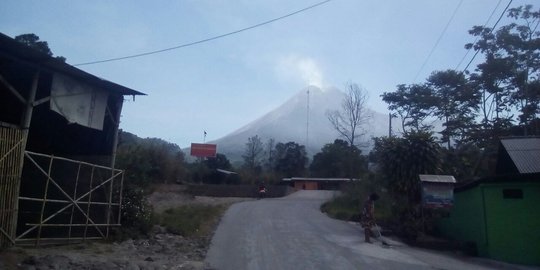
203	150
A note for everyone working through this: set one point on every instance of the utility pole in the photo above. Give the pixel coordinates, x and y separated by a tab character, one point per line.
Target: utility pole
389	125
307	121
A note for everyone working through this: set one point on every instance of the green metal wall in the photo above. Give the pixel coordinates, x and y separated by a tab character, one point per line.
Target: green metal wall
506	229
513	224
466	222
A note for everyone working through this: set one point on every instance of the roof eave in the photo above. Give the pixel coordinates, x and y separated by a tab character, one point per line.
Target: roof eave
21	53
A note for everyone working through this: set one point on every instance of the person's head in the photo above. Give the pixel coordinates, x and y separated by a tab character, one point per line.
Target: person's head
373	196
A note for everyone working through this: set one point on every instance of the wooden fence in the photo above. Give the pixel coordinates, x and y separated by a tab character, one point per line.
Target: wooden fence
11	149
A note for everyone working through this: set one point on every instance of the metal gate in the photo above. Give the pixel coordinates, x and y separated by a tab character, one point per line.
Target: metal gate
64	200
49	199
11	149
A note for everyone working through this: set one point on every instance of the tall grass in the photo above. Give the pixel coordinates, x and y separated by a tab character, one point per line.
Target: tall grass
191	220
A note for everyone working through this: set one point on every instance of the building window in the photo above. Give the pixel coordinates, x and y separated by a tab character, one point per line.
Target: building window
512	193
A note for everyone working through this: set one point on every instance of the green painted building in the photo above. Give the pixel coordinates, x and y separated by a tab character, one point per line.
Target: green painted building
499	217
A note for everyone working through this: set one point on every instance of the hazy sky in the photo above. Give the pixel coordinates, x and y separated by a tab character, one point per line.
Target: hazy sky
221	85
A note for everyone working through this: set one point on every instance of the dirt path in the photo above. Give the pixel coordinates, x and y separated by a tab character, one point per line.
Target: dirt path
162	250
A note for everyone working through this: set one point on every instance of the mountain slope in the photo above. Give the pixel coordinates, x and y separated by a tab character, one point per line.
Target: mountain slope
289	122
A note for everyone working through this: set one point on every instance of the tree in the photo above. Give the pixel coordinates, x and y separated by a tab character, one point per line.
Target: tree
527	75
32	41
291	159
333	161
350	121
253	154
455	104
211	174
400	161
414	104
522	43
220	161
508	79
480	107
270	154
495	99
149	160
462	161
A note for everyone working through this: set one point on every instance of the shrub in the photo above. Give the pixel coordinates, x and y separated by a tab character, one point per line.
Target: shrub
136	216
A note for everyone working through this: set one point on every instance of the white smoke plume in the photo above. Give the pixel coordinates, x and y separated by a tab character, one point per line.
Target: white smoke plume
297	67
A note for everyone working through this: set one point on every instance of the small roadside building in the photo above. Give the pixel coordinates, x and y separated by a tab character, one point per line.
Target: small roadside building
58	136
314	183
498	217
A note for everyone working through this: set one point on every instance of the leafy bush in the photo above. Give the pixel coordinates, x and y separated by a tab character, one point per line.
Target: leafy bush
400	161
145	161
136	217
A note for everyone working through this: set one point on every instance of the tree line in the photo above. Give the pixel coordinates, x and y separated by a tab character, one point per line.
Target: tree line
500	97
152	161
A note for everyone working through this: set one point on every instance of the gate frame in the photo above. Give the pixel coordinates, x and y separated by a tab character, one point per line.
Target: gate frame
73	202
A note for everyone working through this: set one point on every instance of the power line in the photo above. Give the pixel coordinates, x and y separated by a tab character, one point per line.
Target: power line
438	40
500	17
206	39
489	19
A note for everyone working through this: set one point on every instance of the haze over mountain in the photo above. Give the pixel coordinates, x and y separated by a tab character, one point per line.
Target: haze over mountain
291	122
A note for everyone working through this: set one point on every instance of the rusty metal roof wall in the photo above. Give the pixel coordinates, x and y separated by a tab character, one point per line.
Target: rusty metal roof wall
524	152
14	50
225	171
318	179
437	178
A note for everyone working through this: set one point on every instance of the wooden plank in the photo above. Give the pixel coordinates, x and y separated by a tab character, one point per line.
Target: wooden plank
12	89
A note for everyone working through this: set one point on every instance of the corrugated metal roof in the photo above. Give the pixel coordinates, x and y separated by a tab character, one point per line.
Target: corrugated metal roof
437	178
225	171
524	152
318	179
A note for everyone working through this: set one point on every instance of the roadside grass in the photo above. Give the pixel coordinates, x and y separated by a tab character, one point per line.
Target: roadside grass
348	206
342	207
191	220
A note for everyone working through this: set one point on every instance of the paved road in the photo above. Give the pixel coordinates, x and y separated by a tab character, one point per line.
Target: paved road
292	233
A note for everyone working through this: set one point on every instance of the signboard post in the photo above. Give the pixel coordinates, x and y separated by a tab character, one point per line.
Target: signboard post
437	194
437	190
203	150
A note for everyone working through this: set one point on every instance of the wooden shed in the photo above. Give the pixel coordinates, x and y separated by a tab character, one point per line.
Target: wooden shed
58	137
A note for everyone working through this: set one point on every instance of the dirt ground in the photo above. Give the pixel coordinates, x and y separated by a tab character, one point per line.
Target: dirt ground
161	250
